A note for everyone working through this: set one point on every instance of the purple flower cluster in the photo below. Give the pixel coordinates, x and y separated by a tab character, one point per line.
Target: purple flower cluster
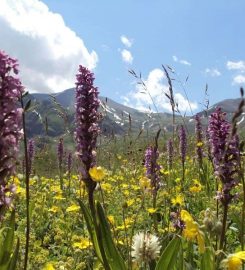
225	153
177	222
69	163
199	139
170	150
10	123
182	143
87	117
60	152
31	152
152	167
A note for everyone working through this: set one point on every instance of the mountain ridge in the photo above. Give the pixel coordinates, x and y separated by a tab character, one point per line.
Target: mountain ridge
52	109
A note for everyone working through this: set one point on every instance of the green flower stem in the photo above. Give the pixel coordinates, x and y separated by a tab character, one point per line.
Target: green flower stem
222	237
27	178
243	209
90	190
154	216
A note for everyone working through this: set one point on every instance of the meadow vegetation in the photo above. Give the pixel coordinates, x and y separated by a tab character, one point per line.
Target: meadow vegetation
85	201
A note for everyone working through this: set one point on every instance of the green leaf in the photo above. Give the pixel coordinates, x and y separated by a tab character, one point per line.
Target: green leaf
113	256
180	263
169	256
2	237
7	260
91	229
207	260
7	241
14	258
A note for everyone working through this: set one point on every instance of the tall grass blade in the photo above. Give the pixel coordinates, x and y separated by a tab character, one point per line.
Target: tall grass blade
112	254
169	256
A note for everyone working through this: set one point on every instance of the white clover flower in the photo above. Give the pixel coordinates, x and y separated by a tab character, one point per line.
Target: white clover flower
145	247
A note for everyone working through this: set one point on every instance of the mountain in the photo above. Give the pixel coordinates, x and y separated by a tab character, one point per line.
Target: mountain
229	106
54	114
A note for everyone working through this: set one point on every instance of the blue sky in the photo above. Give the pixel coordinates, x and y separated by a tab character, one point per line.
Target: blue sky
200	39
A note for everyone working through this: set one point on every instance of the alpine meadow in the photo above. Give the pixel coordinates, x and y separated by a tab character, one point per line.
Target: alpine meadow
151	180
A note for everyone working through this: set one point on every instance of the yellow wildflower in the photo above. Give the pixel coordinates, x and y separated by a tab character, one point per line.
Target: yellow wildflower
20	190
56	188
129	220
32	181
191	231
59	197
126	192
120	242
72	208
135	187
106	187
145	182
177	180
199	144
178	200
82	244
165	172
171	228
53	209
201	241
130	202
122	227
74	177
111	219
97	173
197	187
151	210
126	224
16	180
234	261
49	266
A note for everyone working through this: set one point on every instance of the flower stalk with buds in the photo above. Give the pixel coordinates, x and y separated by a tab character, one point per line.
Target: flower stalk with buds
182	149
87	125
10	125
199	141
60	155
226	160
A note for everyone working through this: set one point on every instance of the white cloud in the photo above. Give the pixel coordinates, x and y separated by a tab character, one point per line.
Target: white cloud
48	51
156	88
185	62
213	72
175	58
240	65
126	41
181	61
127	56
239	79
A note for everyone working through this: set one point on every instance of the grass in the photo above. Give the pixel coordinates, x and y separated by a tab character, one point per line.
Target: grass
59	236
